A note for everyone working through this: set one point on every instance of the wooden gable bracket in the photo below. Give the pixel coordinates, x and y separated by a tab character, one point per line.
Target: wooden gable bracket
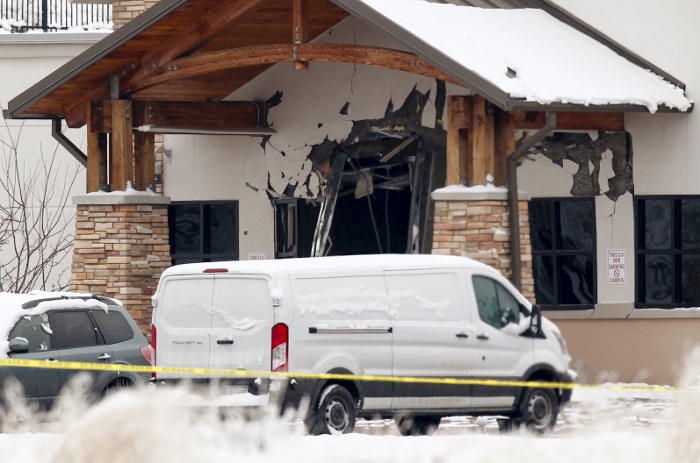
187	40
206	63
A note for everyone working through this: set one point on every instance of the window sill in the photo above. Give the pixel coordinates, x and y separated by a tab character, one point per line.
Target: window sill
622	310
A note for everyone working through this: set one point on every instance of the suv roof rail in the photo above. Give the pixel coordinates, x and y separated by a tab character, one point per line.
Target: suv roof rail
36	302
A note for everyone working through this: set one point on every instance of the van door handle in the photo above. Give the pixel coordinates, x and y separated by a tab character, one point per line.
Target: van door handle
104	356
224	341
462	335
482	336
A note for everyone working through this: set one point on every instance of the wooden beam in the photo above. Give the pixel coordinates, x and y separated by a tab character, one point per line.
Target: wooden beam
122	155
144	149
96	155
459	121
201	29
100	117
300	34
207	63
479	159
222	115
535	120
76	116
504	143
144	159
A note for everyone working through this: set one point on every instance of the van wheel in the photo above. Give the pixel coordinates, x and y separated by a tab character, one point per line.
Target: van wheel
334	414
539	409
421	425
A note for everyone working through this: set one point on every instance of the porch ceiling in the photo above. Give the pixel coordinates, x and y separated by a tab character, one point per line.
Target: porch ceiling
221	45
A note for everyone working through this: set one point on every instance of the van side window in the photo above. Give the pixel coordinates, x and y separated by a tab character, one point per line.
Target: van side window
497	306
36	330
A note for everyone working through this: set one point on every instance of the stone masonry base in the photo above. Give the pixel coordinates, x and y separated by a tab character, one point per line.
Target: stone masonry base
120	251
479	229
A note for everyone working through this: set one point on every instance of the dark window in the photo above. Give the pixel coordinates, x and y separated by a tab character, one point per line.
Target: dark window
203	232
562	232
113	326
295	225
497	307
36	330
668	252
72	328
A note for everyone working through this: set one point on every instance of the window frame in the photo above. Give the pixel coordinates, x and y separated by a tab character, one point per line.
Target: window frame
556	253
205	234
676	252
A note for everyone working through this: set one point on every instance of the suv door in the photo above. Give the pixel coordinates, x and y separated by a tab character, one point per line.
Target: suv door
40	385
77	340
498	353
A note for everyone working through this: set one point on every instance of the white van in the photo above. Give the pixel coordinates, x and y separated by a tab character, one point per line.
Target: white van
405	316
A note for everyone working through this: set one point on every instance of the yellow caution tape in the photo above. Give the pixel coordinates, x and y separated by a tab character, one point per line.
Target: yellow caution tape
56	365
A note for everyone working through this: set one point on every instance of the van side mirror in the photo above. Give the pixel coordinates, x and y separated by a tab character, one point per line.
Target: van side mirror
19	346
535	320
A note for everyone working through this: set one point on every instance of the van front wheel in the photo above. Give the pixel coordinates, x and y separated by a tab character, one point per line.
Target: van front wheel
334	413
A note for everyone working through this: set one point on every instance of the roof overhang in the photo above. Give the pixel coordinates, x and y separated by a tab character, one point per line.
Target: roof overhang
185	31
526	59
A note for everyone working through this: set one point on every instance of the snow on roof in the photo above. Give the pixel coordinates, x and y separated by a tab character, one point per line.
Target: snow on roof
11	308
530	55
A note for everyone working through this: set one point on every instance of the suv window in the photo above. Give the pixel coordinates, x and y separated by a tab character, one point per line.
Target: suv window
36	330
113	326
72	328
497	306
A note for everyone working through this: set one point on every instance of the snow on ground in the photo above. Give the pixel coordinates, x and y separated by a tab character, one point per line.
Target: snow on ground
146	425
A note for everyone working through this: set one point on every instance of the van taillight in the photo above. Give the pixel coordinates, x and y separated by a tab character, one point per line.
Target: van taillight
216	270
153	349
280	347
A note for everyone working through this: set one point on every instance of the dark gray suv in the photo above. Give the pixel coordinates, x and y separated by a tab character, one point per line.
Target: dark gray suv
80	328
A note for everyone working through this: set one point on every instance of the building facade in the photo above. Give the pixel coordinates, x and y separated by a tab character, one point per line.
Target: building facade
606	220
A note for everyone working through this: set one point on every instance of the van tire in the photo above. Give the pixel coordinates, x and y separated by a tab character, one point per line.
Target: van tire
334	414
538	410
421	425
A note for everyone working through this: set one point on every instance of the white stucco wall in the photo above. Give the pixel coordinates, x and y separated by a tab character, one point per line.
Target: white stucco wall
237	168
666	146
24	60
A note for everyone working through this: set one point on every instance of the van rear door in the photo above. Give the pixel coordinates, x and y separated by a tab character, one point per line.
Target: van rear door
183	320
432	338
242	319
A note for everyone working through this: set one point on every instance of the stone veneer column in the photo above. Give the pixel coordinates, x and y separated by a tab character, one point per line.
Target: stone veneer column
473	222
121	247
124	11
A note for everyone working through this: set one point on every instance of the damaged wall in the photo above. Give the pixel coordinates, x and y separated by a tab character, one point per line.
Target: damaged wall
595	164
313	111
